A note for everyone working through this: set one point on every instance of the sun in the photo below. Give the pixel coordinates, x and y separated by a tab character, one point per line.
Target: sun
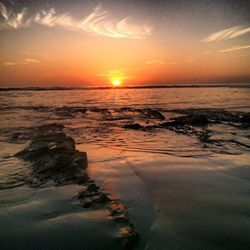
116	82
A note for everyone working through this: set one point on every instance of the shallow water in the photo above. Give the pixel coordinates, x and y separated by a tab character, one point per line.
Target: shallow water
180	193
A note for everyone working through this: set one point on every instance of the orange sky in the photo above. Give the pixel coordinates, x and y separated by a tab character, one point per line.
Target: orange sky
143	43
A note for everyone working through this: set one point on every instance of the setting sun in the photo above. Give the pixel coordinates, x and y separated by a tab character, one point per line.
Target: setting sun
116	82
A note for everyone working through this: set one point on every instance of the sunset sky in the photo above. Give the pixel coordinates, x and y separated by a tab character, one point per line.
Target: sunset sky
89	42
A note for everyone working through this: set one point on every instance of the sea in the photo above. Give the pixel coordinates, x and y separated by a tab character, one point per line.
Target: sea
181	191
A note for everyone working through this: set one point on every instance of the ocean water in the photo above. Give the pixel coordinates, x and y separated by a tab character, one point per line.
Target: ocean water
181	192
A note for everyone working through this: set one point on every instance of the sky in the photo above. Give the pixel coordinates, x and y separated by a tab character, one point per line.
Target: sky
94	43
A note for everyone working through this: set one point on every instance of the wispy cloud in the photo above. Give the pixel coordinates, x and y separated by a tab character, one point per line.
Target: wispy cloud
23	61
98	22
230	33
10	63
51	18
30	60
235	48
12	19
101	23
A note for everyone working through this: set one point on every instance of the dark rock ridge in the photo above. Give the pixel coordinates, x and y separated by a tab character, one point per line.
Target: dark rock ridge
136	126
193	120
53	157
233	118
119	213
199	123
199	118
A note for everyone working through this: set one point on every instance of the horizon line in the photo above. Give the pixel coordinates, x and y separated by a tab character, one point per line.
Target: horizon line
47	88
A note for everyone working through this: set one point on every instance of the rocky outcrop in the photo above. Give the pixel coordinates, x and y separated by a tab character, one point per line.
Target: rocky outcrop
245	120
193	120
120	216
198	118
234	118
135	126
54	157
199	123
152	114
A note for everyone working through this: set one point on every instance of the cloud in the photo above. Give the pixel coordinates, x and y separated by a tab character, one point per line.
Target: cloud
230	33
99	22
13	20
30	60
51	19
10	63
235	48
24	61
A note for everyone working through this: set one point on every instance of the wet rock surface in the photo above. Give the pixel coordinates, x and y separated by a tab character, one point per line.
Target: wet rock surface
201	117
233	118
200	123
119	214
192	120
53	157
136	126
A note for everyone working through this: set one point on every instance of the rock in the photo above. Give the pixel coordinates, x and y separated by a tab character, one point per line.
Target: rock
92	187
193	120
54	157
102	198
131	238
117	208
198	120
135	126
86	202
153	114
121	219
245	118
